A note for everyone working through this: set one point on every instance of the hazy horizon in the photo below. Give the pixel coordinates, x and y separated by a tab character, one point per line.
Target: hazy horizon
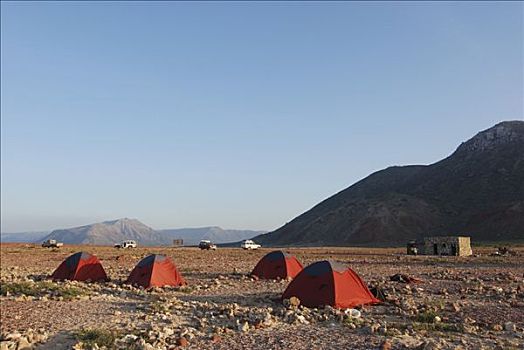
239	115
155	228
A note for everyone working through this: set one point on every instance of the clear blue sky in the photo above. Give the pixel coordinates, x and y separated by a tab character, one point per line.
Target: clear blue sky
242	115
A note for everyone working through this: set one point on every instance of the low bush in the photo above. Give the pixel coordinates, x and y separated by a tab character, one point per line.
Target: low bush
99	337
18	288
439	326
42	288
426	316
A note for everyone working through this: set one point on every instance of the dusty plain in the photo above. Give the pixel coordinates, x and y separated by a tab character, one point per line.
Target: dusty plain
464	302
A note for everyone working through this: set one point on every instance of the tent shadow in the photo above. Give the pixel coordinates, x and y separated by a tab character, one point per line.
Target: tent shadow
39	277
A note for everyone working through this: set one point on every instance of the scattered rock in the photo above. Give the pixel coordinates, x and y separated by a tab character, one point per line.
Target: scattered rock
510	327
13	336
182	341
293	302
374	328
353	313
386	345
430	345
24	344
497	327
243	327
216	338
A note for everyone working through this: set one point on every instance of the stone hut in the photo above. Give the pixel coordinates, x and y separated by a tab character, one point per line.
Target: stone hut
178	242
446	245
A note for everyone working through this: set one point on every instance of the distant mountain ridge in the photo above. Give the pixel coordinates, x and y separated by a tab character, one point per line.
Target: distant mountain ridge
477	191
22	237
114	231
108	233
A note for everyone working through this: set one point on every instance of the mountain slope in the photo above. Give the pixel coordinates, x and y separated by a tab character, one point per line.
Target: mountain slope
108	233
192	236
476	191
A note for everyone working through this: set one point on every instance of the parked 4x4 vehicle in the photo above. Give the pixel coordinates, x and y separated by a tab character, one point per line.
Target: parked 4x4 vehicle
205	244
126	244
249	245
52	243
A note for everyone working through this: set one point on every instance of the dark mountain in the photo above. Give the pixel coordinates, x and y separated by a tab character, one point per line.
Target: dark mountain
477	191
192	236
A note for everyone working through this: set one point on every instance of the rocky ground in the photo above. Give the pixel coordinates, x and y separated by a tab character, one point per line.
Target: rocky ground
463	303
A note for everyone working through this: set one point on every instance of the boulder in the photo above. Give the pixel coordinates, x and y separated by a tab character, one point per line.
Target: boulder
182	341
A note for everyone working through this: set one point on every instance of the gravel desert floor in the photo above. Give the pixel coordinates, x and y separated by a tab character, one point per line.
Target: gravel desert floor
462	302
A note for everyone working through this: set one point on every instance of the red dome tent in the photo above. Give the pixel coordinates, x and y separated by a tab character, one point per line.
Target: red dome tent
80	266
155	271
277	264
328	283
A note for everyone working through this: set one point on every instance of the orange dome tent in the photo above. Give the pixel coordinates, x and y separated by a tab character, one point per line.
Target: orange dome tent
80	266
277	264
155	271
328	283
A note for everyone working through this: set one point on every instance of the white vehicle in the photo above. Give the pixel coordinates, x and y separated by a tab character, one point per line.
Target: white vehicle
249	245
207	245
52	243
126	244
